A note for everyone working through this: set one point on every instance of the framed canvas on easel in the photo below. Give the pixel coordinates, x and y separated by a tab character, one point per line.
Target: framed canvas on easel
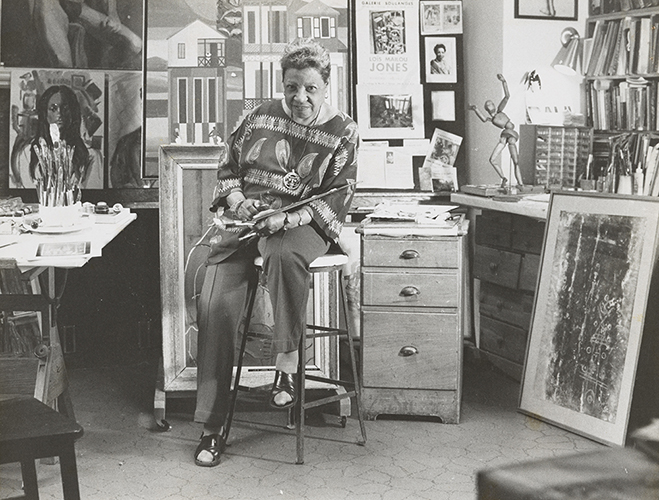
590	310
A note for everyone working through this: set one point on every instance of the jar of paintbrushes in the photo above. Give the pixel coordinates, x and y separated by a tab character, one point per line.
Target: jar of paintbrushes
57	182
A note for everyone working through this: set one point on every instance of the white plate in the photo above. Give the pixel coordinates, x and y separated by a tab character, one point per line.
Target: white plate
78	226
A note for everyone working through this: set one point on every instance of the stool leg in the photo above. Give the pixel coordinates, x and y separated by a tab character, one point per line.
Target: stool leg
251	293
353	362
301	381
69	472
29	473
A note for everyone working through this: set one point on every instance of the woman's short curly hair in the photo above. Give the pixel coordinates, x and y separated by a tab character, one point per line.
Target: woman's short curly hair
307	53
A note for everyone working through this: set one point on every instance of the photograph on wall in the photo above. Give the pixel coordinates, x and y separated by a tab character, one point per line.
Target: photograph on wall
84	34
439	164
441	63
443	105
199	82
565	10
589	313
72	99
125	130
390	111
441	17
388	50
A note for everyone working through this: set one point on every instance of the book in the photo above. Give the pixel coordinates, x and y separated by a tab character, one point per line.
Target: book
598	42
644	38
612	67
612	40
604	49
632	60
587	52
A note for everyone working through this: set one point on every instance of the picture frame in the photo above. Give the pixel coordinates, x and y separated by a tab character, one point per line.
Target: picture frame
441	17
187	179
559	10
590	303
443	105
441	64
390	111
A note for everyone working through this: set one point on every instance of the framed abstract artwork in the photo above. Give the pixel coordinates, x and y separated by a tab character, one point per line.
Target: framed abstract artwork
590	308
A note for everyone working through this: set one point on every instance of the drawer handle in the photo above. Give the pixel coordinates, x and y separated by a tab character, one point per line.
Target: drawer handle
409	255
407	351
493	267
409	291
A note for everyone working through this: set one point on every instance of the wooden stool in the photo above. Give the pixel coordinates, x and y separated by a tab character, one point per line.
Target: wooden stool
329	263
32	430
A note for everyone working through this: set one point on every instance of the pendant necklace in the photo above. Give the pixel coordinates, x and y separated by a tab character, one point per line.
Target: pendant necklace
292	179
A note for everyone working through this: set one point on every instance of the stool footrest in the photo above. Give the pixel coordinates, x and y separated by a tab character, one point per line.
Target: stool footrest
334	381
333	332
328	399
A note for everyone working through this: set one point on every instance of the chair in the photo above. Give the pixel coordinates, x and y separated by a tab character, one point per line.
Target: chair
329	263
32	430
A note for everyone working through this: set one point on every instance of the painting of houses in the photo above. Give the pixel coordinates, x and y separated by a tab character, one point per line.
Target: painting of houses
208	63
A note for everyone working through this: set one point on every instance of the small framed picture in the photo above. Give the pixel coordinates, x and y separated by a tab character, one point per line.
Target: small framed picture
390	111
441	17
561	10
443	105
441	63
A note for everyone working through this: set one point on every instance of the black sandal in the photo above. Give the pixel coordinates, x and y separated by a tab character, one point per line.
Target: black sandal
284	382
213	444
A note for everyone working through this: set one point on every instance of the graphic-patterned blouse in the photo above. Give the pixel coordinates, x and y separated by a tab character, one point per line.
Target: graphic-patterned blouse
275	160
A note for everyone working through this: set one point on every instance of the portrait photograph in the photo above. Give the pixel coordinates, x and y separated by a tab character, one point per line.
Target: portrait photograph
565	10
440	57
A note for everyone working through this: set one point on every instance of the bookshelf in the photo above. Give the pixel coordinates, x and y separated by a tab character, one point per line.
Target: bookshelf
621	71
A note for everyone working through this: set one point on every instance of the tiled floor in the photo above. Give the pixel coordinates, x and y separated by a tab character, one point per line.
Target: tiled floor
120	455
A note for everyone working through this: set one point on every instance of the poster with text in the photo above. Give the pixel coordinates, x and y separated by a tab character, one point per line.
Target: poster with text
387	41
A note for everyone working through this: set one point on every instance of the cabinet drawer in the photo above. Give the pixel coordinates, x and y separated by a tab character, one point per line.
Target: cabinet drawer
503	340
431	341
494	228
528	274
528	235
505	304
497	266
430	289
387	252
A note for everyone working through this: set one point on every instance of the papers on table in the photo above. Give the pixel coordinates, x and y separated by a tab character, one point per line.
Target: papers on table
381	166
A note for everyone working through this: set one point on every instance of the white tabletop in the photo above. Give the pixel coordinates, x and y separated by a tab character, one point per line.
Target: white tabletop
64	249
531	206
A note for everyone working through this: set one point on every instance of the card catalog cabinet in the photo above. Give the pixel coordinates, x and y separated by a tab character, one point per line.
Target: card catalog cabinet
412	324
506	265
557	155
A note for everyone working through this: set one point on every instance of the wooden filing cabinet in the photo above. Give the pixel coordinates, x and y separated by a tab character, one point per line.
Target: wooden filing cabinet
506	265
412	307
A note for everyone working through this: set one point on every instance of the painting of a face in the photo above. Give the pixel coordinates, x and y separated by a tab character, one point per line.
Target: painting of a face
58	111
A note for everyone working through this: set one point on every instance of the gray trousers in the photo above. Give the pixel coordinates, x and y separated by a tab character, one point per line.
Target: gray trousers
286	259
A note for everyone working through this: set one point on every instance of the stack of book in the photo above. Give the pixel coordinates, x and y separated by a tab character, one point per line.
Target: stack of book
629	104
627	46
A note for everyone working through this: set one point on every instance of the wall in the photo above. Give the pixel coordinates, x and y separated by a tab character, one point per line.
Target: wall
496	42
